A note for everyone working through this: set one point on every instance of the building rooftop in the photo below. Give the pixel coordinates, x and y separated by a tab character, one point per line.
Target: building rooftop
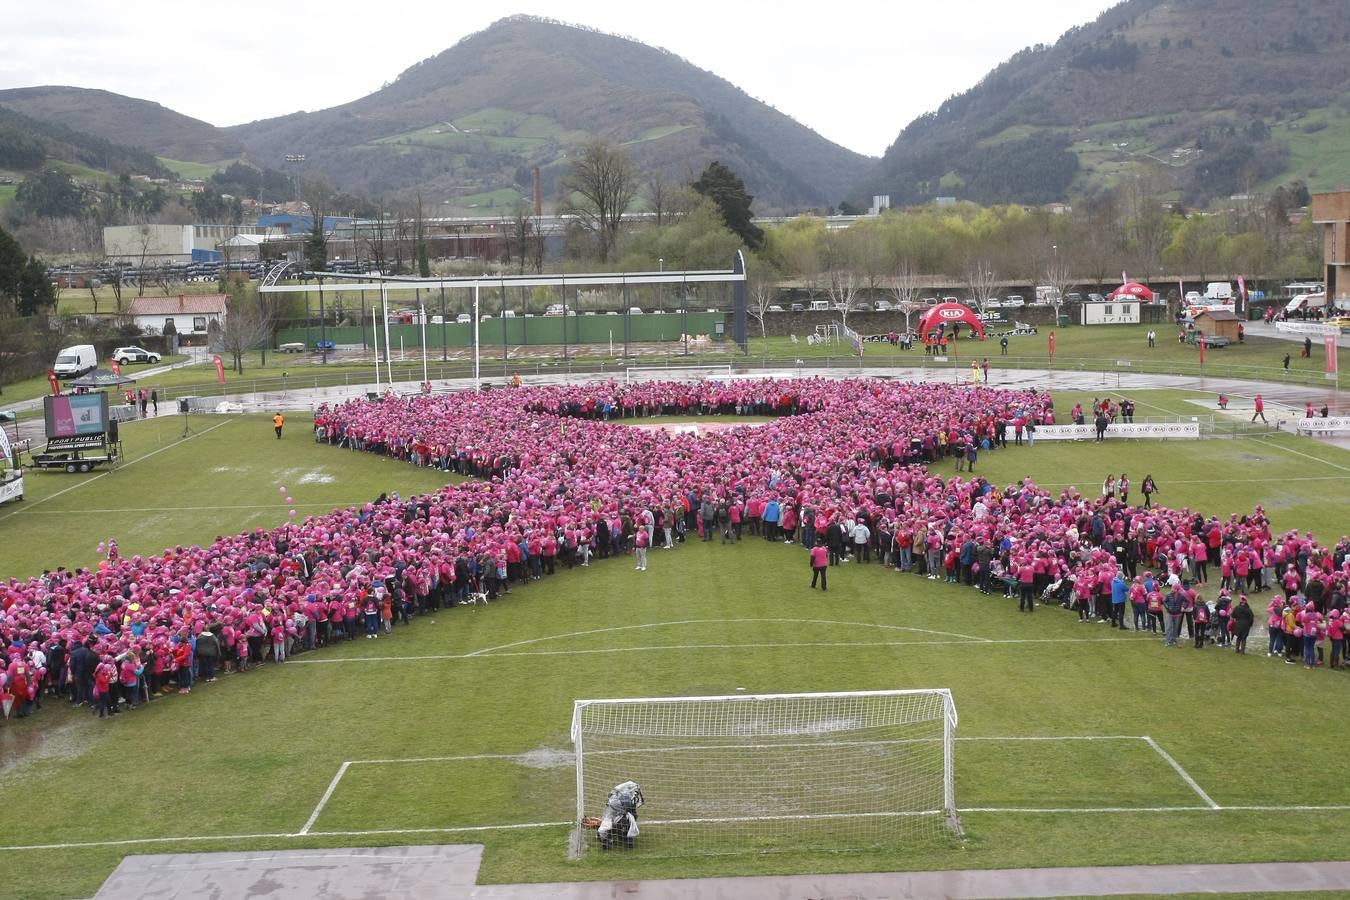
167	306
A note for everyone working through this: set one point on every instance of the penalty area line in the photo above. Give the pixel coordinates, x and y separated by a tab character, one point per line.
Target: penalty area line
323	801
1185	776
982	642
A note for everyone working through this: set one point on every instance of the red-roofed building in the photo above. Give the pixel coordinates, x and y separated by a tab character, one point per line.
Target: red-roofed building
191	314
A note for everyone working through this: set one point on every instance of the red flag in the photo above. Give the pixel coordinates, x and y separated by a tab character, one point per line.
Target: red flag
54	382
220	368
1330	340
1052	345
116	367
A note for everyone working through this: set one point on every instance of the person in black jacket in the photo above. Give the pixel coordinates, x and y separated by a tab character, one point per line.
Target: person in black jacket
1242	623
834	539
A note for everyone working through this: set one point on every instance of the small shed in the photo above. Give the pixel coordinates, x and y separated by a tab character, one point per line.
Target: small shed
1218	323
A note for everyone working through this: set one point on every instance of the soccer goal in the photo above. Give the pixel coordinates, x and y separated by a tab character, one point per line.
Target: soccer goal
677	373
753	773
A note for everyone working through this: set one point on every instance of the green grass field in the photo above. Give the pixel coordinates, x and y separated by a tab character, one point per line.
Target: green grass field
186	169
243	764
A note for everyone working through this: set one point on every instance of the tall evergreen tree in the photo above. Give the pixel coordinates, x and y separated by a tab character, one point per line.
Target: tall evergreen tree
725	188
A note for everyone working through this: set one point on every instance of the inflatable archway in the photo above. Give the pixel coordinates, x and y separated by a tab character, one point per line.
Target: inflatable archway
946	314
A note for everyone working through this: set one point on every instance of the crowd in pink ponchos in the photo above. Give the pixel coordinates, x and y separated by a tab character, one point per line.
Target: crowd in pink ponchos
856	463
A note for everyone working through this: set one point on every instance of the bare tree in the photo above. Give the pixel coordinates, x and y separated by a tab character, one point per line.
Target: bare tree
762	290
145	238
905	286
1058	278
248	325
524	244
842	286
599	189
659	196
981	282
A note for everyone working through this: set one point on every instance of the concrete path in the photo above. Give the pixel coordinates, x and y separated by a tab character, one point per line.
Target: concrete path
450	871
389	873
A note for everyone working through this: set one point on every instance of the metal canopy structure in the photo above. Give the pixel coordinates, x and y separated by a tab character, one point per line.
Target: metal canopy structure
385	284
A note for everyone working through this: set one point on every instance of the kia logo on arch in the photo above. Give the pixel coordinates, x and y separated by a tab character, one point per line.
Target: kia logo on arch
952	313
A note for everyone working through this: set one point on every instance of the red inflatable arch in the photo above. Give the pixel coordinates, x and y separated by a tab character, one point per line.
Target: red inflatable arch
947	314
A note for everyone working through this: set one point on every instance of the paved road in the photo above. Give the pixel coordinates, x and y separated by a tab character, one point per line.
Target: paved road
414	872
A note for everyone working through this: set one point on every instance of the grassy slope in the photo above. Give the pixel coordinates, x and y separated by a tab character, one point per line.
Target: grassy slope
191	169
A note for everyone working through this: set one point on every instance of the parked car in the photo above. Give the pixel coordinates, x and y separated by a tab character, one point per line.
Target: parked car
293	347
324	346
774	308
1096	298
884	306
1073	297
554	309
1194	298
463	319
992	303
1014	301
124	355
797	307
635	310
862	306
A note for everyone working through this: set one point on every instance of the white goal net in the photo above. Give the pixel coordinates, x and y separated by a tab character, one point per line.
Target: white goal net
677	373
752	773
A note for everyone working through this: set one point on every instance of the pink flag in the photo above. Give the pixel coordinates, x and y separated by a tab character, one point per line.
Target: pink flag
1330	340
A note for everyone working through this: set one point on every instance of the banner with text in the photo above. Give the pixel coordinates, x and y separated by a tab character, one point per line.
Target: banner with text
1137	430
1328	424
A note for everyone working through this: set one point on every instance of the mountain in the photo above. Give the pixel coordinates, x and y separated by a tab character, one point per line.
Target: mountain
468	124
125	120
1201	98
29	145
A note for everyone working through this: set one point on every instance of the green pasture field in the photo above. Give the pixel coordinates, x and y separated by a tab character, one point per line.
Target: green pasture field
243	763
187	169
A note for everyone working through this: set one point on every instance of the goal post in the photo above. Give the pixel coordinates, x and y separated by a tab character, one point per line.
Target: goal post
677	373
751	773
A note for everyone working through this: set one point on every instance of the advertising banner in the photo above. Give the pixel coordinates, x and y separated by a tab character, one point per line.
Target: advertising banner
1159	430
220	368
1328	424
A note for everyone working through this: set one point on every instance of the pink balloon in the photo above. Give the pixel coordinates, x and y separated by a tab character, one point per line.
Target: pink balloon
282	489
290	500
292	514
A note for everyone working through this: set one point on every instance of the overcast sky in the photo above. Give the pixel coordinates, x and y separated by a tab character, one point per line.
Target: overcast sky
853	70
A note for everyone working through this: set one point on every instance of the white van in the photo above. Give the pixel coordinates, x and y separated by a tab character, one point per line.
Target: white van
72	362
820	306
1221	291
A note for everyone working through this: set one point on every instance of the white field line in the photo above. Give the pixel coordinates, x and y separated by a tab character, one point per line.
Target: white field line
556	637
28	506
1317	459
1185	776
323	801
159	840
457	829
913	813
1335	807
1058	737
152	509
983	642
1085	809
1169	481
